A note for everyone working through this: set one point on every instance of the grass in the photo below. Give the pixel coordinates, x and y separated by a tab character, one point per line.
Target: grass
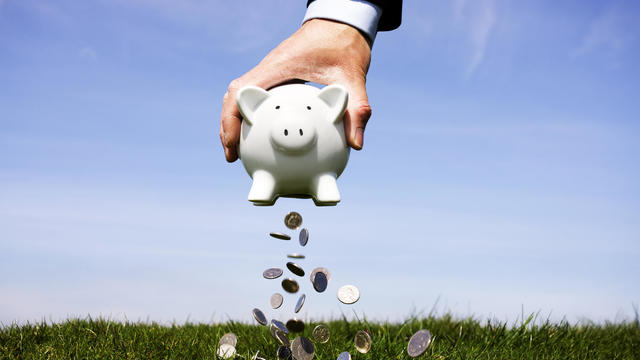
452	339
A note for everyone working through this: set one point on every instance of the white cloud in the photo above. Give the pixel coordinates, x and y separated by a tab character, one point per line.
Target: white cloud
480	19
611	32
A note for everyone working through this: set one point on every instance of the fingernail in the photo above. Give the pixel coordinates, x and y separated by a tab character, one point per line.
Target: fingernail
359	137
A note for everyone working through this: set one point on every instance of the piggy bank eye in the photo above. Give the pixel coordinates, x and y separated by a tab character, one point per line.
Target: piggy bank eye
277	107
308	107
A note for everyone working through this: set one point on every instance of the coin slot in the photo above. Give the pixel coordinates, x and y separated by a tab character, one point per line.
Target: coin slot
300	132
286	132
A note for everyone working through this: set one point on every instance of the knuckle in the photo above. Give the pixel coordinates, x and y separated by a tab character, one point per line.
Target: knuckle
234	86
363	111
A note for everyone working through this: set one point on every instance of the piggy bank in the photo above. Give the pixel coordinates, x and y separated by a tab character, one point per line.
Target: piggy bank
292	142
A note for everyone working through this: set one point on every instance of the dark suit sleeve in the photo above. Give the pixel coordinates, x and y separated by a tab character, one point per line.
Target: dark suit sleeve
391	13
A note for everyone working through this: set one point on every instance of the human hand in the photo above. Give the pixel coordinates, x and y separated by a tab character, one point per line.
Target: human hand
321	51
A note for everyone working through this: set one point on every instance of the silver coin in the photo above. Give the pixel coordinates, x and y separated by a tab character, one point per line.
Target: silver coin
295	325
283	352
226	351
279	335
321	333
282	337
295	268
291	286
280	236
419	343
272	273
344	356
276	300
303	237
300	303
322	270
302	348
320	282
259	316
348	294
228	338
295	256
362	341
293	220
280	325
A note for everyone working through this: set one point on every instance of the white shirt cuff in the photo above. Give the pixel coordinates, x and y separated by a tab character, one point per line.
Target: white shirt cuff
360	14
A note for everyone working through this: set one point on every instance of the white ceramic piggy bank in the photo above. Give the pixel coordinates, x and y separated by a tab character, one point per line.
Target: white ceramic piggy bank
292	142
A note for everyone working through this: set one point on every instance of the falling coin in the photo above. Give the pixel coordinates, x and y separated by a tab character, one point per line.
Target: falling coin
348	294
283	352
344	356
293	220
302	348
275	301
295	256
280	236
295	325
295	268
362	341
281	336
259	316
321	333
322	270
280	325
300	303
303	238
272	273
320	282
228	338
289	285
226	351
419	343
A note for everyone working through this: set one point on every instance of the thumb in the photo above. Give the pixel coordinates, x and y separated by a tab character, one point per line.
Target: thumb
357	114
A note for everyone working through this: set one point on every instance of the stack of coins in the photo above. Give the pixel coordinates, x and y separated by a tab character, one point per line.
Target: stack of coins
301	348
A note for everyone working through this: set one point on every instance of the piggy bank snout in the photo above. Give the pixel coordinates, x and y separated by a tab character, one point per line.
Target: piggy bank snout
293	136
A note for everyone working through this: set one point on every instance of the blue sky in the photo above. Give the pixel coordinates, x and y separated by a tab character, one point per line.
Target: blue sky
500	172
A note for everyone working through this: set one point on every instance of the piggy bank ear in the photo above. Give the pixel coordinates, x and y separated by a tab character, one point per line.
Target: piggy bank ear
249	99
336	97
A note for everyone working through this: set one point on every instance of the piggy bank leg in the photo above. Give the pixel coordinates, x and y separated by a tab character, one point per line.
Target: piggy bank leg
326	190
263	188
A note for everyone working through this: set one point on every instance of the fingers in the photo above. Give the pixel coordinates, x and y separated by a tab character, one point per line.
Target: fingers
230	123
357	115
230	118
